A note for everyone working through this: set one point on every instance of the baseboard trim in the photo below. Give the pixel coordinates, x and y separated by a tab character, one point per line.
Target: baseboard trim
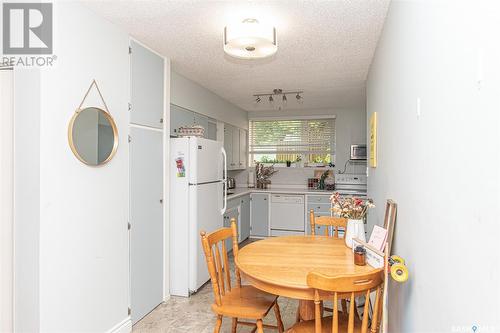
124	326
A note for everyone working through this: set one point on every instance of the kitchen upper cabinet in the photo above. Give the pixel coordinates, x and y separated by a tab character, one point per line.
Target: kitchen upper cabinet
211	131
235	144
146	74
235	155
179	117
244	226
243	148
259	206
201	120
228	145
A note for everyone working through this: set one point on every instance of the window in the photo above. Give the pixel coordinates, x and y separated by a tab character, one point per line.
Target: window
278	141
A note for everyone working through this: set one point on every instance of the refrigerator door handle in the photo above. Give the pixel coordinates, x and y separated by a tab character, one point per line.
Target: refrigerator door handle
224	181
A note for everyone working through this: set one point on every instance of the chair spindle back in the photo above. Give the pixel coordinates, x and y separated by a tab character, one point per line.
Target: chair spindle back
353	285
217	259
328	221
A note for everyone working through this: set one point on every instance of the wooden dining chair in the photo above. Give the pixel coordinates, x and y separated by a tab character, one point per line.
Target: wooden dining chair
353	285
238	301
328	221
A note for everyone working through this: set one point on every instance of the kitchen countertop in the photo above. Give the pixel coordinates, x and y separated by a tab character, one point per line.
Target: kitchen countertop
241	191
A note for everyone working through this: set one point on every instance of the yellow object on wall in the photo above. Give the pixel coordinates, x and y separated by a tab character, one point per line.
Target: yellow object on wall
373	140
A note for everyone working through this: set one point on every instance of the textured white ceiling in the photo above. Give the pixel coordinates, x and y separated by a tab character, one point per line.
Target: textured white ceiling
324	47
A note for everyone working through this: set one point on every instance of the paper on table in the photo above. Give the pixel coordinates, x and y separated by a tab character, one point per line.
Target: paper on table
378	237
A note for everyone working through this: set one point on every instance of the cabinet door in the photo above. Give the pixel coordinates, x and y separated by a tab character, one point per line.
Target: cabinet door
243	149
236	148
228	145
245	218
230	214
179	117
146	211
211	132
201	120
146	87
259	214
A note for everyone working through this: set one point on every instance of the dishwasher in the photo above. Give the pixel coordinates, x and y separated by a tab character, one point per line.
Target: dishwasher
287	214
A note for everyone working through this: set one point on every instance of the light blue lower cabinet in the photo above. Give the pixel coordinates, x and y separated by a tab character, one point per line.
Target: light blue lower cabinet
259	203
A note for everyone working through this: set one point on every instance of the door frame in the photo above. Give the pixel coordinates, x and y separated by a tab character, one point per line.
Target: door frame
7	203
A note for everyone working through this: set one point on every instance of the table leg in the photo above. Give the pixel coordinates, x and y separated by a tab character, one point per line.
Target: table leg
306	310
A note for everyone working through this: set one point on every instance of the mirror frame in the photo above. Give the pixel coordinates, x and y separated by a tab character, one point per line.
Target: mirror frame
115	136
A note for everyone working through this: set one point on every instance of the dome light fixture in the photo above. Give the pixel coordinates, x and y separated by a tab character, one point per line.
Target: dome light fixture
250	40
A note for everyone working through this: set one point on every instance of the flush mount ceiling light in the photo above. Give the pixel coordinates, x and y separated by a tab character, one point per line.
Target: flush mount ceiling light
279	103
250	40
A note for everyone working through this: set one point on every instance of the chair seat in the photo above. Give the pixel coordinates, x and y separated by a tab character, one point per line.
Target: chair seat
245	302
326	325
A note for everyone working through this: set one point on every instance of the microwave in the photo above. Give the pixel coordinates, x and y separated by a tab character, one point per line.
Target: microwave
358	152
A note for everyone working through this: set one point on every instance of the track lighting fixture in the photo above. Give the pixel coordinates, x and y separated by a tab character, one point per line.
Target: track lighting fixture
281	102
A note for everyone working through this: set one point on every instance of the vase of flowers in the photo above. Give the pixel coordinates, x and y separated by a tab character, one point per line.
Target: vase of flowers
354	210
263	175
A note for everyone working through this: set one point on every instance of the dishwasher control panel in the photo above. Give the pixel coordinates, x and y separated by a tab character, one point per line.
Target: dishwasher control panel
284	198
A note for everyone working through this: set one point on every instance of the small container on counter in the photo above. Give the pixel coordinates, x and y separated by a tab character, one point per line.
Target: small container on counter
359	255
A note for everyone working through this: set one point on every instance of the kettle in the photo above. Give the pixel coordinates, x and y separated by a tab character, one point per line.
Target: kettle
231	183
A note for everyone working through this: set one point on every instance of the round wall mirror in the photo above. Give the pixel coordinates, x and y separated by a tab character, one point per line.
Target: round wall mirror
93	136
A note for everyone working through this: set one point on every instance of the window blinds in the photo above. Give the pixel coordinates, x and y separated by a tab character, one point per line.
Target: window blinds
303	136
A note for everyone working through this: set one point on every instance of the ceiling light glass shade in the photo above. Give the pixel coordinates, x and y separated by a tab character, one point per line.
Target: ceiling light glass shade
250	40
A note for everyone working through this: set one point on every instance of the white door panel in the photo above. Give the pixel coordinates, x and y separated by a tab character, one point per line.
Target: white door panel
146	234
147	72
205	204
206	162
287	212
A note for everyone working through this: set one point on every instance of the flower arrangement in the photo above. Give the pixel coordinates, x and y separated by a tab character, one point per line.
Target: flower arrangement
350	207
263	174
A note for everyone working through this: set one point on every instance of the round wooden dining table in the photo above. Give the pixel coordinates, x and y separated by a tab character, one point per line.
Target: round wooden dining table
279	265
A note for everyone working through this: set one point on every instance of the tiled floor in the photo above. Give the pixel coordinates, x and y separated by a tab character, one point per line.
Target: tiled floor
193	315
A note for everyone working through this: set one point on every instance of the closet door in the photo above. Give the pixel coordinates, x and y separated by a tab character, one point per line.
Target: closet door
146	210
147	86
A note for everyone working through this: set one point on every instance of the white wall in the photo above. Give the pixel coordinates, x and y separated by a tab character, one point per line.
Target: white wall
194	97
350	127
27	200
6	199
440	167
79	260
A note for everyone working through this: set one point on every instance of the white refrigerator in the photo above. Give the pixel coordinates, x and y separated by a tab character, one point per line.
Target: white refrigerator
198	171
